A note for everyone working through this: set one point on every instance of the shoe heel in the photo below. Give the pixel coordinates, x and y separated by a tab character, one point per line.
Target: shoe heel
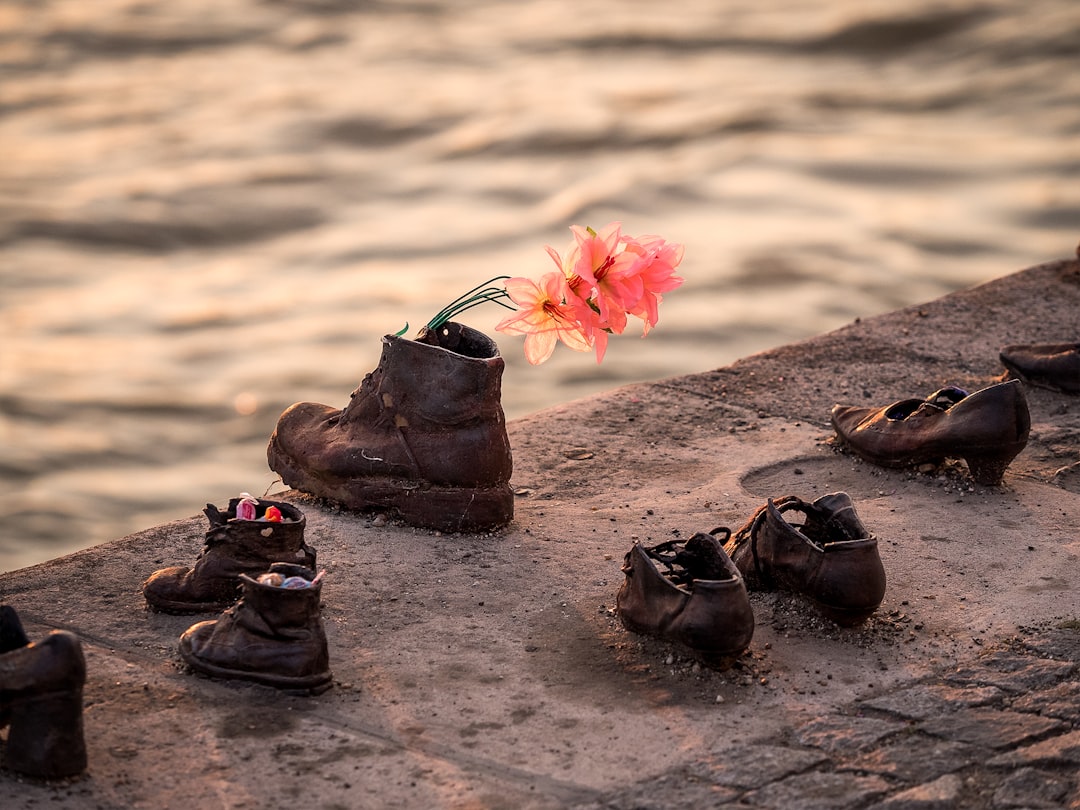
989	468
46	735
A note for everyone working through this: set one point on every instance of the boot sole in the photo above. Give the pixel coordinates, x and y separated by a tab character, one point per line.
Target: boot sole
418	503
186	608
300	684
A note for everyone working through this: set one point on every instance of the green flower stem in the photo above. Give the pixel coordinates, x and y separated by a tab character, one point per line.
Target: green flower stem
480	294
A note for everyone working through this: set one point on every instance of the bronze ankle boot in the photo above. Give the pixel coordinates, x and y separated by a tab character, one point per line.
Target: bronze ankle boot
424	436
273	635
41	686
12	637
987	429
233	547
830	557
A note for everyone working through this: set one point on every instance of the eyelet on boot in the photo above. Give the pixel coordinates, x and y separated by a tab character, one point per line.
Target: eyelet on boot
699	602
274	635
232	547
830	557
41	686
423	438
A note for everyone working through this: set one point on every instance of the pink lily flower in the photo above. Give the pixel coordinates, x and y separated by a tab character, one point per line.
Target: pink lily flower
543	316
655	265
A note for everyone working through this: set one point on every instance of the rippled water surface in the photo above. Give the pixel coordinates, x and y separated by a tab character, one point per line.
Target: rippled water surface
212	209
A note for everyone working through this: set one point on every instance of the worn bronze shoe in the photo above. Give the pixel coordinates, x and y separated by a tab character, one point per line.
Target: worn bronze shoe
273	635
1048	365
987	429
234	546
423	437
41	687
12	636
699	601
829	557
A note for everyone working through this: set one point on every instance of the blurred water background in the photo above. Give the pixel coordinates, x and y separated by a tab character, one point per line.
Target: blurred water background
212	209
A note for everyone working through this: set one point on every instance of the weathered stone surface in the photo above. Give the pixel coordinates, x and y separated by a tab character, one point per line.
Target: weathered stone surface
839	733
1061	750
991	728
924	701
678	788
916	757
1029	788
1061	701
820	791
1061	643
755	765
940	794
1013	672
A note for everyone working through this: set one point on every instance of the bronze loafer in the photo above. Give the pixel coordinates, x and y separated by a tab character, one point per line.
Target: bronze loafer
830	557
987	429
699	602
1048	365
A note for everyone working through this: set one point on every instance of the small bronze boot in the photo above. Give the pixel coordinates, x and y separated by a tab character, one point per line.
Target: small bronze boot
830	557
233	547
423	437
273	635
699	601
41	687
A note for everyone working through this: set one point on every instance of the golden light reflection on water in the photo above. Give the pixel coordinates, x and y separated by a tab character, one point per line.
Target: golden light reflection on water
212	210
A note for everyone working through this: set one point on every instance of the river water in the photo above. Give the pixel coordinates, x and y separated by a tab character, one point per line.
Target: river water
212	209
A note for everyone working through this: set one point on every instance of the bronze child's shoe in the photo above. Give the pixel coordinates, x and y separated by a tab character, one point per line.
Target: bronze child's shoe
41	688
424	436
830	557
1049	365
699	601
234	545
273	635
987	429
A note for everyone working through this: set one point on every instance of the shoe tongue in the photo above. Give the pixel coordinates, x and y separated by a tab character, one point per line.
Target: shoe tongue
946	397
702	558
832	519
940	400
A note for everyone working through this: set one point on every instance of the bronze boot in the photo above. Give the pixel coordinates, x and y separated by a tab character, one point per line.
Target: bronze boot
987	429
830	557
12	637
41	686
233	547
699	601
273	635
424	436
1048	365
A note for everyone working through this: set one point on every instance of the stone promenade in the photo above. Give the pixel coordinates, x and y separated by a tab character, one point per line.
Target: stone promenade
489	671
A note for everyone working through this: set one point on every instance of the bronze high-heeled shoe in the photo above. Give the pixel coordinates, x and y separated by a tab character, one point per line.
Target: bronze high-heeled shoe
1048	365
987	429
